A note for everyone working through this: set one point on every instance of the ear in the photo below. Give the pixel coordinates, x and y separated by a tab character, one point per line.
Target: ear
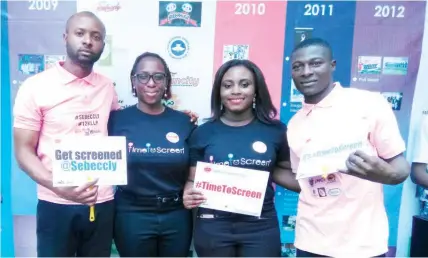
64	37
333	65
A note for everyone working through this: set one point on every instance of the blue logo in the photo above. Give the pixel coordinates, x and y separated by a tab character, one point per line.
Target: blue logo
178	47
395	65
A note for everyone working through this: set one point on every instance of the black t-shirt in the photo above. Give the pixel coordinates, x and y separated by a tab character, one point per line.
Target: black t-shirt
256	145
158	153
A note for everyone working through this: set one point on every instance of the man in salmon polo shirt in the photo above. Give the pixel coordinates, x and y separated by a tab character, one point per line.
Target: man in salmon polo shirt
68	99
345	144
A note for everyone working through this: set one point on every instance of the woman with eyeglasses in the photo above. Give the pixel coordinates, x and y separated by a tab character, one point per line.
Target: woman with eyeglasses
150	219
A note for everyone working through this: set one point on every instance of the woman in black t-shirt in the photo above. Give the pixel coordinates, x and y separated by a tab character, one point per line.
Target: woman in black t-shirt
242	133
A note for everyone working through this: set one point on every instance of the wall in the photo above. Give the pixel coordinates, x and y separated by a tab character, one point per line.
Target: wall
378	46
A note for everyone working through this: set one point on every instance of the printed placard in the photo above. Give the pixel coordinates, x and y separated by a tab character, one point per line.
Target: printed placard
322	159
77	160
231	189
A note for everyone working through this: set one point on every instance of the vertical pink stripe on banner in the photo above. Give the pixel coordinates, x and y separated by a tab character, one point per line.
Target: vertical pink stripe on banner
258	25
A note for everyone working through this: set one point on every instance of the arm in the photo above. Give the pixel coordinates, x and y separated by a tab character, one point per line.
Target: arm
419	174
284	176
282	173
389	166
25	144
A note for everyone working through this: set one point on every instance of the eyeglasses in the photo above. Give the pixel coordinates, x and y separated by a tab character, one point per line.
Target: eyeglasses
145	77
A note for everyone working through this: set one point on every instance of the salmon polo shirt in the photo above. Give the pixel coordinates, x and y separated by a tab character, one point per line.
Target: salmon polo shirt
340	215
56	103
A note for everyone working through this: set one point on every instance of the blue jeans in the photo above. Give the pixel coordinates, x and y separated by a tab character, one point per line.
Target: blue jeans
65	230
237	237
151	227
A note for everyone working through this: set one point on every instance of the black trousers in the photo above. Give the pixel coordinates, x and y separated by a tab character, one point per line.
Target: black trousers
65	230
234	237
158	232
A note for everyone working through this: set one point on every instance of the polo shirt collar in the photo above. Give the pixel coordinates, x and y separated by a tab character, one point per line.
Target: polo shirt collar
67	77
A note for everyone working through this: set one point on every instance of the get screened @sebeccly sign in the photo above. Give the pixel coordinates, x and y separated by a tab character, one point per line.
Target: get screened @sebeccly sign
88	160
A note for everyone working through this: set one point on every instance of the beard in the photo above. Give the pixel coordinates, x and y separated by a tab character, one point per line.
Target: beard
84	61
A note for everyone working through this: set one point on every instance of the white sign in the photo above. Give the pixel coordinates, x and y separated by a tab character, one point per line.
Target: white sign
77	160
324	159
231	189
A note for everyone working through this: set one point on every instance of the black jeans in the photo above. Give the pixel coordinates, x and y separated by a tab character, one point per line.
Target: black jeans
146	231
65	230
237	237
301	253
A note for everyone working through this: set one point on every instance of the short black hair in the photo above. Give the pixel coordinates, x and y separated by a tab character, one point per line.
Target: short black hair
264	110
165	66
314	42
85	14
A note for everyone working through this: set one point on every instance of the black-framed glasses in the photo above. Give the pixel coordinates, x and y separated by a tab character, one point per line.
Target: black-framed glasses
145	77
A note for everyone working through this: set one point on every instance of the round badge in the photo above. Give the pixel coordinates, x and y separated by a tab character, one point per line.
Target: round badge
172	137
259	147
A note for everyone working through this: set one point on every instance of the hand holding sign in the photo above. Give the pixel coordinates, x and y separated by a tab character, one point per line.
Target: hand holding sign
84	194
192	198
367	167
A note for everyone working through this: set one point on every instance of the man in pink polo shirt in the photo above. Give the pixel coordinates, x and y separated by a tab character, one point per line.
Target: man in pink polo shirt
345	144
68	99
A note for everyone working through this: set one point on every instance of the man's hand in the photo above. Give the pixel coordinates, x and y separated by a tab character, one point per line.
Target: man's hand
193	116
84	194
367	167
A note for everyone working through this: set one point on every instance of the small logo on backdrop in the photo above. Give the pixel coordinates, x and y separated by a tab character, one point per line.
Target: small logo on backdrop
231	52
106	56
31	64
369	64
172	137
295	95
108	6
184	81
180	14
394	99
178	47
259	147
51	60
395	65
174	102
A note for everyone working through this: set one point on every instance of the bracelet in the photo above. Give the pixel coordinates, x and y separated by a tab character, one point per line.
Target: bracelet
190	180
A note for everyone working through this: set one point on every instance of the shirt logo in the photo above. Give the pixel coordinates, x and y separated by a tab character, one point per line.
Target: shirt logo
149	149
172	137
259	147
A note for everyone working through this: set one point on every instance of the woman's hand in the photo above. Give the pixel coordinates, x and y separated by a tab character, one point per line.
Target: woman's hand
192	198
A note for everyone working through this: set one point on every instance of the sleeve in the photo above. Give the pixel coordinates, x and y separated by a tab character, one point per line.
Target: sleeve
420	153
294	161
115	103
386	134
196	147
27	114
284	149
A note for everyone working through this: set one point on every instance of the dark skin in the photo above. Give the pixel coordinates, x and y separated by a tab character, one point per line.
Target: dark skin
237	93
419	174
150	93
84	38
312	72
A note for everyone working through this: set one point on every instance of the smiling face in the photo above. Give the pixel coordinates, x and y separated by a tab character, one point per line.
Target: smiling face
237	89
312	69
149	81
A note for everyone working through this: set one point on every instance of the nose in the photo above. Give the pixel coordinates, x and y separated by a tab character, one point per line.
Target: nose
87	39
307	71
151	83
235	89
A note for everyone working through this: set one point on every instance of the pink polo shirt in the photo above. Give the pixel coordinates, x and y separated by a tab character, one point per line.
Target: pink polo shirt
57	103
342	215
